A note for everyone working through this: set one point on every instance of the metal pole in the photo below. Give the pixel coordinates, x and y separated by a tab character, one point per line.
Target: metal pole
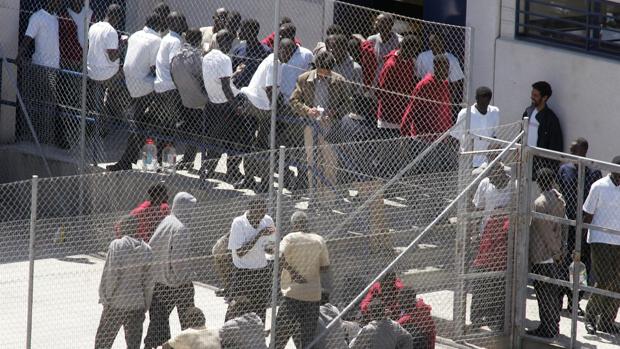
581	177
460	296
84	90
31	256
276	251
522	238
274	103
413	243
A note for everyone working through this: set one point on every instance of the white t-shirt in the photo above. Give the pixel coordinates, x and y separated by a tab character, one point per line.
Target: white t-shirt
207	37
489	198
532	135
215	66
79	18
169	47
142	48
481	125
604	203
43	28
297	65
262	78
101	38
193	338
241	232
424	65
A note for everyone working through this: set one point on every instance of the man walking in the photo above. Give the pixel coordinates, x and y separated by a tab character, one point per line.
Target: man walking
173	270
601	209
546	253
126	288
384	41
304	257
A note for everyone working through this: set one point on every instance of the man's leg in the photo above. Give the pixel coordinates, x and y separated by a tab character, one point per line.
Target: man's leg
258	164
216	125
132	325
109	324
191	130
609	312
596	303
287	322
184	302
549	299
159	314
135	141
308	321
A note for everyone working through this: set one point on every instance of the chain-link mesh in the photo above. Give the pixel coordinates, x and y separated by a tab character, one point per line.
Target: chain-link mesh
571	265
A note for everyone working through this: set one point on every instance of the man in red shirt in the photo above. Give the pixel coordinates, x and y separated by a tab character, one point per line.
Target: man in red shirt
429	111
151	212
396	81
270	39
417	320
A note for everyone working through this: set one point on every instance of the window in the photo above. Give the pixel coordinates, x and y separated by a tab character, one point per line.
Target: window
586	25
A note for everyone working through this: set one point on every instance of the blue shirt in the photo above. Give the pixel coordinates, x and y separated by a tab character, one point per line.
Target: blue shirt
251	56
568	185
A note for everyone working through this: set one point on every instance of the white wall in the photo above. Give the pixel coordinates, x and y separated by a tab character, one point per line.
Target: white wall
9	17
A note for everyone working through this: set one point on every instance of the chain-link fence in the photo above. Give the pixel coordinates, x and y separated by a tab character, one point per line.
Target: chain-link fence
569	245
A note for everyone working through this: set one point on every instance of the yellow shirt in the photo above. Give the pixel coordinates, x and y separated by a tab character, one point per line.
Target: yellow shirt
306	253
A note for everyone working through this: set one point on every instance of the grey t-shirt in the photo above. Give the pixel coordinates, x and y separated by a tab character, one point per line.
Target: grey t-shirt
186	70
382	334
244	332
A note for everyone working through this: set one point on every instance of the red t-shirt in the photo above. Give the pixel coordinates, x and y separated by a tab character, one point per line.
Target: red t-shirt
149	218
268	40
70	48
396	81
493	250
391	301
429	112
421	318
368	61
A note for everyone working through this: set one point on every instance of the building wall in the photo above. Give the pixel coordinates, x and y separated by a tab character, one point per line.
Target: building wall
584	86
9	17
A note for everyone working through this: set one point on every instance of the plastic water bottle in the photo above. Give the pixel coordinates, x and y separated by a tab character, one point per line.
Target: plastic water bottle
169	159
149	156
581	271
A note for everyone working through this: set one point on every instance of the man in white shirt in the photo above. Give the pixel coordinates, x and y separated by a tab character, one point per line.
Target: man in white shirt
257	105
601	209
384	41
424	63
217	75
304	257
197	336
103	62
251	237
139	70
39	79
219	22
168	103
483	122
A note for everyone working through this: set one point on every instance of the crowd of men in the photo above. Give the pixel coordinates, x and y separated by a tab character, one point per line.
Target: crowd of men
217	83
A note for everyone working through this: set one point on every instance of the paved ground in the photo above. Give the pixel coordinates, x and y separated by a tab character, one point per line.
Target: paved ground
66	312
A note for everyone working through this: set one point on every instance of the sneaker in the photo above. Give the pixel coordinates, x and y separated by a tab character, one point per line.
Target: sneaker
119	166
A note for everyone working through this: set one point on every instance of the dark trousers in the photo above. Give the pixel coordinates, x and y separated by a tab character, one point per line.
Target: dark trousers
251	292
167	107
112	319
141	123
488	301
192	131
165	299
549	297
297	319
606	267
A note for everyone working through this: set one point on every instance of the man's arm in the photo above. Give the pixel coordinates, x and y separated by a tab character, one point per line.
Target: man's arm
25	45
230	96
113	54
250	244
296	276
587	217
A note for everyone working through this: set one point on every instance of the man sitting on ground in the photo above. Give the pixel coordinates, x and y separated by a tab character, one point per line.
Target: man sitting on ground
381	332
197	336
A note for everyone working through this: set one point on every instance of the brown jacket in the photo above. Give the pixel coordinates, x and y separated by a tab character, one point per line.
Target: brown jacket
547	237
302	99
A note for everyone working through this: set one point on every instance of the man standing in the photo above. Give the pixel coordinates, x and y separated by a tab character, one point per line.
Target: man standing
104	62
39	79
544	126
139	70
304	257
428	112
173	270
323	97
297	64
384	41
484	121
249	53
72	33
568	183
126	288
186	69
250	237
217	75
208	33
151	212
168	101
345	66
425	61
258	107
601	209
546	253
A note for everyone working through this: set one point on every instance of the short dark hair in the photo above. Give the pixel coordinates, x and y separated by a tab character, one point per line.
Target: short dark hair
545	178
544	88
252	25
193	36
484	91
616	160
410	41
582	142
195	317
334	29
285	20
157	190
128	225
224	36
154	21
288	28
257	202
325	60
114	11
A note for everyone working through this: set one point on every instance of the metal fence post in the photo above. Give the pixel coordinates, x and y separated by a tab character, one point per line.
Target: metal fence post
31	256
274	103
83	109
276	251
581	177
522	238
